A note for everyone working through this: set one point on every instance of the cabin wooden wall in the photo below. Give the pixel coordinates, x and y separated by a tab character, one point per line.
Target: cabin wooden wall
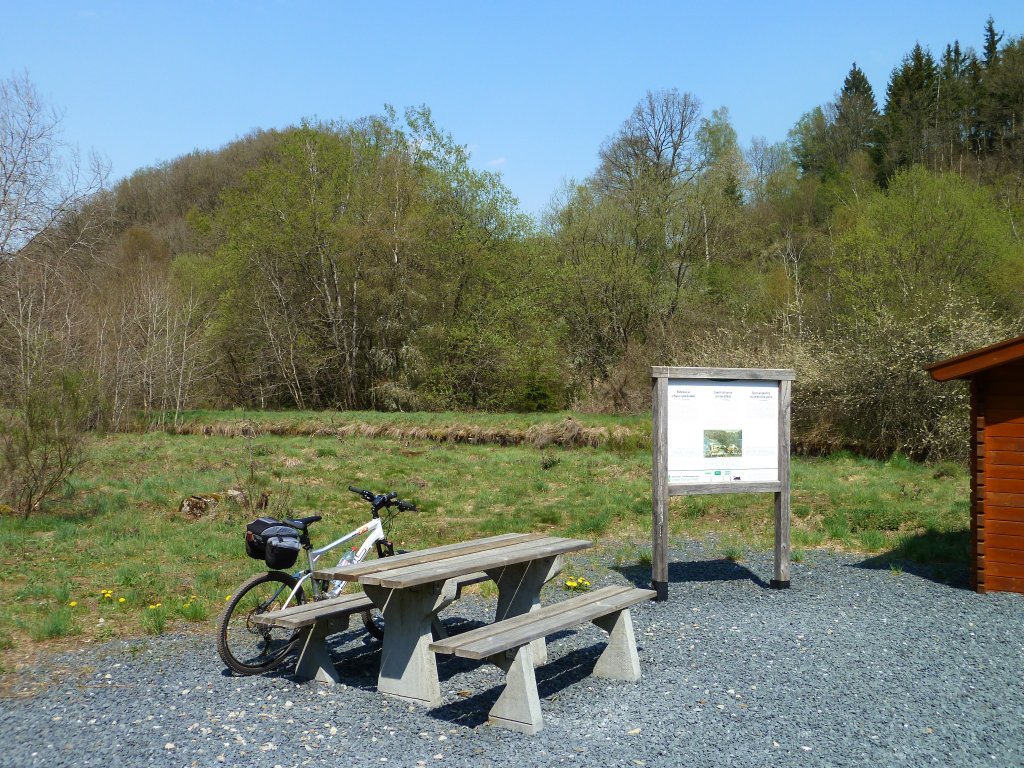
997	483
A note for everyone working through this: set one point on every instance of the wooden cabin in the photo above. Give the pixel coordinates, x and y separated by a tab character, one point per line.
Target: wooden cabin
996	374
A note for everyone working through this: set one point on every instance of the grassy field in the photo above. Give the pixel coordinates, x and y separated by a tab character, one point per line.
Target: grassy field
114	557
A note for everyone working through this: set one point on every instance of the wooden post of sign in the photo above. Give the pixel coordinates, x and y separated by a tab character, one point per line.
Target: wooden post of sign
781	579
661	489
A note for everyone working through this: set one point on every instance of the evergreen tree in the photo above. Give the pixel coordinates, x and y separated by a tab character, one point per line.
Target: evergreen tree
856	120
856	84
1003	110
956	104
908	132
992	41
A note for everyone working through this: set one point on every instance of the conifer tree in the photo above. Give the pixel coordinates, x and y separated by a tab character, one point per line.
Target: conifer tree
856	119
956	104
908	130
992	40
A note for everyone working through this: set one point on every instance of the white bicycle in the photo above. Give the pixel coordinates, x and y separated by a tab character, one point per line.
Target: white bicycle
249	648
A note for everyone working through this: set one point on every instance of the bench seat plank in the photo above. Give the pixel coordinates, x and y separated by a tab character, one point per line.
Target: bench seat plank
487	641
306	614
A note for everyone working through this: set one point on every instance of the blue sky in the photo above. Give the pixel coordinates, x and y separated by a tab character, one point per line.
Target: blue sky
532	88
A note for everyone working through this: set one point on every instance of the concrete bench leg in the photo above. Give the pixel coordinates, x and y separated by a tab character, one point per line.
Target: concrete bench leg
314	660
518	706
619	660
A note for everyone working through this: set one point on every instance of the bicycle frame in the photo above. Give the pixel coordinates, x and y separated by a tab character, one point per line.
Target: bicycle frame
375	530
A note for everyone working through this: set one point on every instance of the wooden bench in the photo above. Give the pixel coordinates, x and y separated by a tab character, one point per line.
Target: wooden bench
321	618
507	644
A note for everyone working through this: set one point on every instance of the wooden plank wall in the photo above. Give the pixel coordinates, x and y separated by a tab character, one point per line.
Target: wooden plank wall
977	482
998	488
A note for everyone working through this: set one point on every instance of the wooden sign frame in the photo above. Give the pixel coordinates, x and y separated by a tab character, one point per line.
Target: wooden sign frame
661	490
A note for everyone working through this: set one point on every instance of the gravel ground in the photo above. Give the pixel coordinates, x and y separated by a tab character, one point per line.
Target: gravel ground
855	665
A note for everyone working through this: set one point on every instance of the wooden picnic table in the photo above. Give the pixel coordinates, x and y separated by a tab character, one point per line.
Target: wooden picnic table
410	588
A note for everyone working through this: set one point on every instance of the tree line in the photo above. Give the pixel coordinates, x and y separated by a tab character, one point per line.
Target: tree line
367	264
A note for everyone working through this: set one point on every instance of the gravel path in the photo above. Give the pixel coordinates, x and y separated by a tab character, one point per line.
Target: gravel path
852	666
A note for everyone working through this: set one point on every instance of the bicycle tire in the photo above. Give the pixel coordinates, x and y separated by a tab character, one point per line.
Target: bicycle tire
249	648
373	621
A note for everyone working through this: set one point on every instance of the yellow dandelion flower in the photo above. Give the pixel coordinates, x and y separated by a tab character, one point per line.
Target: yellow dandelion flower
120	599
73	603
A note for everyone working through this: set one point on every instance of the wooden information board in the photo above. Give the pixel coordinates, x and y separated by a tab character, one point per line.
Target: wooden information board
720	430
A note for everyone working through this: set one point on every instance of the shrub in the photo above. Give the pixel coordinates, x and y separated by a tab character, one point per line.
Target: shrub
862	385
42	443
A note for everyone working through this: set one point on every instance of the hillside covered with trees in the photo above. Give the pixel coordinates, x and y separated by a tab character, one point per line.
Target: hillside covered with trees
366	264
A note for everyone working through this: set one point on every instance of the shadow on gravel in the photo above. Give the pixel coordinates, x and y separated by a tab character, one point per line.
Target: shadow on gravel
953	574
552	678
698	570
356	657
939	556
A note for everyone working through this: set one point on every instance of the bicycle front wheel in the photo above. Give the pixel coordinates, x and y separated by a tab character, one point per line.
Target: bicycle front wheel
249	648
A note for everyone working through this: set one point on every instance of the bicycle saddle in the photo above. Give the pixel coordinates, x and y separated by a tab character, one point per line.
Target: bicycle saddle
302	522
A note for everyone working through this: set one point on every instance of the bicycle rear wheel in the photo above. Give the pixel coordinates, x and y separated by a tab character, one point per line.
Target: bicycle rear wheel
374	623
249	648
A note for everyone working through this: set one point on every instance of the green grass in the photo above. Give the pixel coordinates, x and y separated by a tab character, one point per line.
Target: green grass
116	544
55	624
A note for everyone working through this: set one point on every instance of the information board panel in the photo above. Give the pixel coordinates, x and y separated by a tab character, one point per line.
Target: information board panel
722	431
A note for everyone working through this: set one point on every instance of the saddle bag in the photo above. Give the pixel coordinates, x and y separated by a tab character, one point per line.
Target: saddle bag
272	541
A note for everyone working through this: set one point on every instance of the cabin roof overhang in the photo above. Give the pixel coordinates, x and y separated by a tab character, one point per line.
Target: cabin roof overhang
970	363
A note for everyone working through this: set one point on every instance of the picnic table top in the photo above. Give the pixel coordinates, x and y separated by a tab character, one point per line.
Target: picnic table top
453	560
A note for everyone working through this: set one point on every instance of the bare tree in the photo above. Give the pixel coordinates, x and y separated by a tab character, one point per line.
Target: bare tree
42	191
42	180
658	140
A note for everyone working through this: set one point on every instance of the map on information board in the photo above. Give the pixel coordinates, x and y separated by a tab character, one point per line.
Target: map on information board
722	431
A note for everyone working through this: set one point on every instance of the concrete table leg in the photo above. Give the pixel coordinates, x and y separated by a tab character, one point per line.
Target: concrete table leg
519	588
408	669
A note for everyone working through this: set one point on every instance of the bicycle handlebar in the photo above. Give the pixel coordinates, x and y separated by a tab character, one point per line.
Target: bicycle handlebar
384	499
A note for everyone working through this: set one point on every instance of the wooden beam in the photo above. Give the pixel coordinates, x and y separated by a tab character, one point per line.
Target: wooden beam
724	374
659	486
700	489
782	538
